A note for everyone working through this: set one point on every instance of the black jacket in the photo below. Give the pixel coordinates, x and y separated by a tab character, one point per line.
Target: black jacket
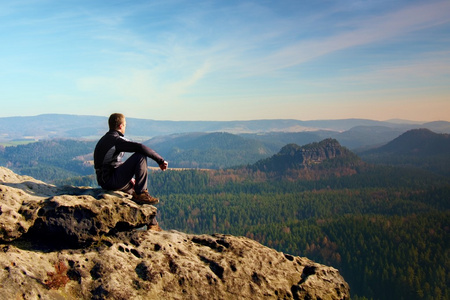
109	151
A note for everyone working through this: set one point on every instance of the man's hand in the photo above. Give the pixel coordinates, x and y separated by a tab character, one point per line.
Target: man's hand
164	165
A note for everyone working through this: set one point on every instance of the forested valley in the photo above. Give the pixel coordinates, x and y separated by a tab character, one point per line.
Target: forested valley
385	227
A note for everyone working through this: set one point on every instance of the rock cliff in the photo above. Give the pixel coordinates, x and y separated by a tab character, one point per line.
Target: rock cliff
325	155
83	243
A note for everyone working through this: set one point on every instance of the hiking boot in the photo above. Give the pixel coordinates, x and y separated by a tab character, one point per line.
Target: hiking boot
144	198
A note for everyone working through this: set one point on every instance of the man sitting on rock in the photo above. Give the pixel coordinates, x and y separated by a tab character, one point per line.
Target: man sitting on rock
131	175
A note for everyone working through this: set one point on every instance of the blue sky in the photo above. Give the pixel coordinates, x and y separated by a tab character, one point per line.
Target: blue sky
227	60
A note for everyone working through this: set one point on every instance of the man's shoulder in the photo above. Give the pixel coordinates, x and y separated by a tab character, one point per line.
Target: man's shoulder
107	138
111	135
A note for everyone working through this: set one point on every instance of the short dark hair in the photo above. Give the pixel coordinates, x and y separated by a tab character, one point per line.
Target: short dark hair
115	120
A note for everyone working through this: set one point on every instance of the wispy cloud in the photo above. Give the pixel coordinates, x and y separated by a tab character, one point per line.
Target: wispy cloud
372	30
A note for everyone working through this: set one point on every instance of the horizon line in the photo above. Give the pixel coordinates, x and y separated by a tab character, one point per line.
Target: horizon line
391	120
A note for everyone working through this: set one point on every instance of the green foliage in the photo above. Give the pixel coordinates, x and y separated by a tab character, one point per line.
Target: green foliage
209	150
385	229
438	163
396	257
89	180
420	148
50	160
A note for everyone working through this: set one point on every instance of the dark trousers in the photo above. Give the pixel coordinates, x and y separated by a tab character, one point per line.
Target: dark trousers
135	166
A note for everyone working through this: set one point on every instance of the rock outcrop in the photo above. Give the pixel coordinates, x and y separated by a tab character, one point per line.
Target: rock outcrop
83	243
311	156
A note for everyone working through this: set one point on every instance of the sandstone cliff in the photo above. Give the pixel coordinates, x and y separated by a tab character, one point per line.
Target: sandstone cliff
311	156
83	243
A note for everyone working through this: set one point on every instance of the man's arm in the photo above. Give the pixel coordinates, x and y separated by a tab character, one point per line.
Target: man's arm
129	146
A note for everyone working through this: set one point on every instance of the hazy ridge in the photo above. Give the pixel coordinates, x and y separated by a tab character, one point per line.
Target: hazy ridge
58	159
76	126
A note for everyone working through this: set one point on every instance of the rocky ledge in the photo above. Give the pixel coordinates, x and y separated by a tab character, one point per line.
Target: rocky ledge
84	243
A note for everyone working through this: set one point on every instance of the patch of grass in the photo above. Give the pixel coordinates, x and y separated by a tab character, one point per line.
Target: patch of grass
17	143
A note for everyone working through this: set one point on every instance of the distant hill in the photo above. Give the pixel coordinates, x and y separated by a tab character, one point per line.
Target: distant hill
209	150
326	155
58	159
421	142
418	148
50	160
50	126
276	140
367	136
358	137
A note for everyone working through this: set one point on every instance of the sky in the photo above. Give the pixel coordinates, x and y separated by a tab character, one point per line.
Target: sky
226	60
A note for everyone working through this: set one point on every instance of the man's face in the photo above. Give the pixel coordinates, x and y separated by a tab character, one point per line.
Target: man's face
123	126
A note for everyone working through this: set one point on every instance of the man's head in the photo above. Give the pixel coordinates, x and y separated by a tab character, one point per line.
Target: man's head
117	122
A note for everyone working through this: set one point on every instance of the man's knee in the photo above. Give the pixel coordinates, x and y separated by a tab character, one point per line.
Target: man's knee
139	158
140	162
